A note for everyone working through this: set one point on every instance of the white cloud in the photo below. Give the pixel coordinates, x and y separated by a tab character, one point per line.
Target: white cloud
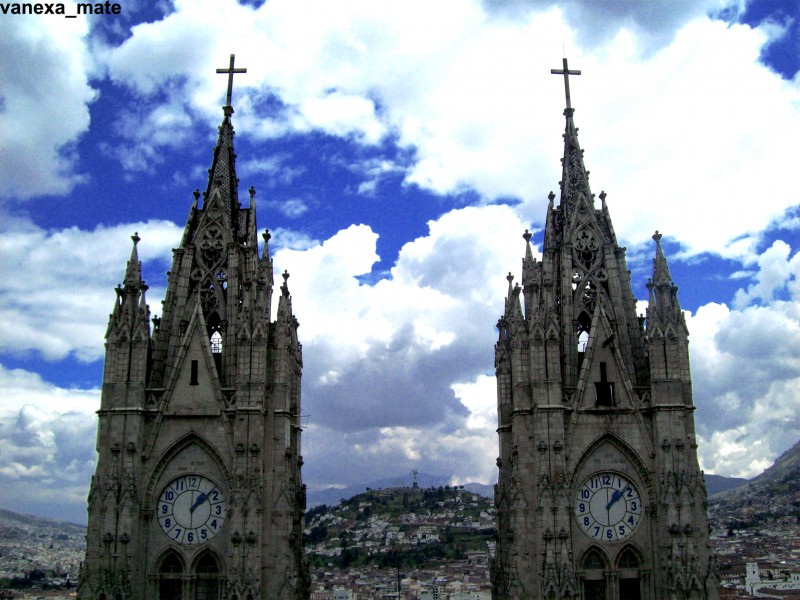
394	372
47	438
677	110
746	372
57	283
44	71
776	271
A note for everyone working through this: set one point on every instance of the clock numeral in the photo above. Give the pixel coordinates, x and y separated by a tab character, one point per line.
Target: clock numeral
634	506
606	480
586	493
168	523
190	537
213	524
169	495
192	482
621	529
177	533
204	534
586	521
582	507
609	534
164	509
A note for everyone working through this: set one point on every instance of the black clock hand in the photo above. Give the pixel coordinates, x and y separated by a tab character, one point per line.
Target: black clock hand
614	497
200	499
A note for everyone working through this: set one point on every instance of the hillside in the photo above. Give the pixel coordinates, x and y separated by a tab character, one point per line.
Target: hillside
399	527
771	497
38	550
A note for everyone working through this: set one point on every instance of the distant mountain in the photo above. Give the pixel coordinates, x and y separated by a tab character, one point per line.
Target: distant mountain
10	519
764	500
482	489
785	470
716	484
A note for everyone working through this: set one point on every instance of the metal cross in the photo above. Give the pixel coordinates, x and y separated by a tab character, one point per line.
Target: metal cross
230	71
566	73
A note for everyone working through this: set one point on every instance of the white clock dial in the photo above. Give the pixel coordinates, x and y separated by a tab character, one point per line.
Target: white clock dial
608	507
191	509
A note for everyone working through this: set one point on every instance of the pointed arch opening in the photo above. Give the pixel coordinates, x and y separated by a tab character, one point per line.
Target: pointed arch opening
170	577
630	585
594	568
583	325
216	339
207	577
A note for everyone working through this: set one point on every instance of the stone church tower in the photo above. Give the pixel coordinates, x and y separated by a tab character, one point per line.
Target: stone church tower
198	492
600	496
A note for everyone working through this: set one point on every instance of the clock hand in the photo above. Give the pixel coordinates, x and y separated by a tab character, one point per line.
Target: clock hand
614	497
200	499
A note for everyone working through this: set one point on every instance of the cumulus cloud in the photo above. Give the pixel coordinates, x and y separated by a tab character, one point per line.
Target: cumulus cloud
57	283
470	97
47	438
654	22
745	366
395	370
44	71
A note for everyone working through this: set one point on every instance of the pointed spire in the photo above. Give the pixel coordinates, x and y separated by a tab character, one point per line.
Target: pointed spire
575	177
222	174
529	262
664	302
661	275
285	318
133	272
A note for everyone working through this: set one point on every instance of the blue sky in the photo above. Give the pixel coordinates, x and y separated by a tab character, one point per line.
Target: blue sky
399	150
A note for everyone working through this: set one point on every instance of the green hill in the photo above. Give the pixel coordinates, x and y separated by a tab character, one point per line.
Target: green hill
399	527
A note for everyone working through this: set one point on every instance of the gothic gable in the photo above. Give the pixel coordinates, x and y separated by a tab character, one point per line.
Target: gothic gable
194	387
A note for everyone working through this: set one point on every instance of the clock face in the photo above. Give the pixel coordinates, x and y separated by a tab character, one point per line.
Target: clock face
608	507
191	509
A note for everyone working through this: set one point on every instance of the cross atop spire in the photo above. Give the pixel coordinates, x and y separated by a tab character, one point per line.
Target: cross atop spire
565	72
230	71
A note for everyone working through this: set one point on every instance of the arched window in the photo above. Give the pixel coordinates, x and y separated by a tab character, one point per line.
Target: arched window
207	574
630	587
216	342
170	578
594	576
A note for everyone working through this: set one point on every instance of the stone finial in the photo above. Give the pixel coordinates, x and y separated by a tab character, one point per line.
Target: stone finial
527	236
285	286
657	237
196	193
266	235
135	237
252	191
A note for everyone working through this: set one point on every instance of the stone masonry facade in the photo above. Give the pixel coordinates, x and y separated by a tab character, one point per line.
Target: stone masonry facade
198	490
600	495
